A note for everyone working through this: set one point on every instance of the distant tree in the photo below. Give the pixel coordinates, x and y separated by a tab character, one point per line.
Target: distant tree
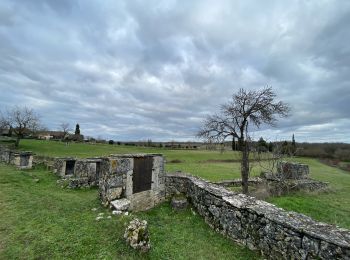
65	128
270	147
294	147
245	108
284	147
111	142
262	145
77	129
21	121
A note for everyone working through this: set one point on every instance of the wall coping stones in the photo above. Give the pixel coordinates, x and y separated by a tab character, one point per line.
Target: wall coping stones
234	182
135	155
22	152
289	219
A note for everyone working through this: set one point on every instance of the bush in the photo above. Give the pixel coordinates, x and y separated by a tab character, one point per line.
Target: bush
111	142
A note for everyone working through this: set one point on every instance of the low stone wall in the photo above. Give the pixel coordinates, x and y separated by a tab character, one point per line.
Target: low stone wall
238	182
278	187
276	233
290	170
22	160
78	173
59	166
117	180
43	160
5	154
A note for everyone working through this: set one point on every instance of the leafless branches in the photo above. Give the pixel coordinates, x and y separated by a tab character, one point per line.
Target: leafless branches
21	120
254	107
65	128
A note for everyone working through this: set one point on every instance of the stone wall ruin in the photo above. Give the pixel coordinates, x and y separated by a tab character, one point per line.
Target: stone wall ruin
290	177
20	159
276	233
138	178
292	171
78	172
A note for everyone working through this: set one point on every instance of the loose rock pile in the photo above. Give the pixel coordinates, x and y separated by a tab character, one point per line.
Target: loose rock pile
136	235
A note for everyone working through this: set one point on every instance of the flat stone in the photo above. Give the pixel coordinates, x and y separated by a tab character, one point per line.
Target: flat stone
121	205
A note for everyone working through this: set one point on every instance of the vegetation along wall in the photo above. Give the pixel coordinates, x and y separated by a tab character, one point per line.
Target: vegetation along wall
278	234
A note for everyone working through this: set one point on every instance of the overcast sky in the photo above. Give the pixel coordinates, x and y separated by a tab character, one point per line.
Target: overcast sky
134	70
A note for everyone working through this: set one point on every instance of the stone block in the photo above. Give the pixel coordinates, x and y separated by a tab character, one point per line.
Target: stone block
121	204
295	171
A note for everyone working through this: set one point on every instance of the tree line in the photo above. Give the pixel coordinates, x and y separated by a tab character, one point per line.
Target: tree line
20	122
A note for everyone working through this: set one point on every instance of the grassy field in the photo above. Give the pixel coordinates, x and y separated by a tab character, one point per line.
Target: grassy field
196	162
332	207
39	220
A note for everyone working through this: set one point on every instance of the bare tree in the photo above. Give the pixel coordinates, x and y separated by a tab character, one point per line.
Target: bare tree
21	120
65	129
254	107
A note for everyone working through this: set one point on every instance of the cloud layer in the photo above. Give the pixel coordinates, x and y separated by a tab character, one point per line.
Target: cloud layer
134	70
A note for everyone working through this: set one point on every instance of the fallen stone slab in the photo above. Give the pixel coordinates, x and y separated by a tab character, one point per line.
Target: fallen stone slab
121	204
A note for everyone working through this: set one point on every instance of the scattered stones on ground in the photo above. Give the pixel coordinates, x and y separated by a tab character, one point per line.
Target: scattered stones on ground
99	217
117	212
94	209
136	235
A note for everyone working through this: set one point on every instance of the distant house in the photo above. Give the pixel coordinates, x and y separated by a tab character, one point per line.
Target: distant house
48	135
5	132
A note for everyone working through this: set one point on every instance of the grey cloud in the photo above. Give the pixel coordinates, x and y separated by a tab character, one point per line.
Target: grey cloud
130	70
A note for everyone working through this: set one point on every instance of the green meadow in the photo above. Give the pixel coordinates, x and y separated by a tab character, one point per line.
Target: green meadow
43	221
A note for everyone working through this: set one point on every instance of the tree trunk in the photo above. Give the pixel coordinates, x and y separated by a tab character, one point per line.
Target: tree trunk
240	144
17	141
244	166
233	144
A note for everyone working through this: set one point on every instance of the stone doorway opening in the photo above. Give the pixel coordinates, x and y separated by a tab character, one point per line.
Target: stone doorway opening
24	160
98	170
142	174
70	167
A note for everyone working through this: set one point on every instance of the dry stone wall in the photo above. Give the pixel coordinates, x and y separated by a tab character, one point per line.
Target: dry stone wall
118	177
78	172
276	233
278	187
5	154
113	178
22	160
294	171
